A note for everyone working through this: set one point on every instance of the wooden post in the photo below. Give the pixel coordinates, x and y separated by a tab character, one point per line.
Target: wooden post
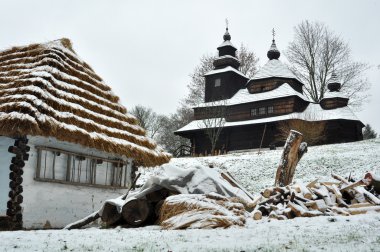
293	151
262	138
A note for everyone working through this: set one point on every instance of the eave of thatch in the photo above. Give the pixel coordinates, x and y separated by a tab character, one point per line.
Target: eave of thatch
47	90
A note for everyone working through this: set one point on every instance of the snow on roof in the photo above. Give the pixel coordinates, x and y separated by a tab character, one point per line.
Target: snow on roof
285	90
227	56
330	94
47	90
313	112
243	96
274	68
227	43
226	69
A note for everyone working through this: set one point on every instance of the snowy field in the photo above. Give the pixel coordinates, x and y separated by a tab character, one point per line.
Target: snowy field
257	171
354	233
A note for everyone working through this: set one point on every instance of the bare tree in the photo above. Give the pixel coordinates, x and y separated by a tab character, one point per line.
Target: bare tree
148	119
313	55
171	123
312	128
248	66
213	122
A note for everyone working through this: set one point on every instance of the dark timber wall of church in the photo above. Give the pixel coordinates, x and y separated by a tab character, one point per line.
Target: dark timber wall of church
249	136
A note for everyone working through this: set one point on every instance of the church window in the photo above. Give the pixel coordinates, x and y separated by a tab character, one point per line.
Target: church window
217	82
262	111
270	110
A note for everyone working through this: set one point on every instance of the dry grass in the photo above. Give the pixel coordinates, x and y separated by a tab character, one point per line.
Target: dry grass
200	211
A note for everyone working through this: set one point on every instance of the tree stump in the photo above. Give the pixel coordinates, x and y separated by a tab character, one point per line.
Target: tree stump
293	151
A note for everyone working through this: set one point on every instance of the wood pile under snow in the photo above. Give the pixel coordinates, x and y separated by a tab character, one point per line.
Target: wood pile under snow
317	198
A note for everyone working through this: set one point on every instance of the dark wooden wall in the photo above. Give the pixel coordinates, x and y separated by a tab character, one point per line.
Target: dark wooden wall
231	82
249	136
281	106
268	84
332	103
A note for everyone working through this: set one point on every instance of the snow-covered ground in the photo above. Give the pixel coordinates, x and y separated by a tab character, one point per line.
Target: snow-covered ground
355	233
255	172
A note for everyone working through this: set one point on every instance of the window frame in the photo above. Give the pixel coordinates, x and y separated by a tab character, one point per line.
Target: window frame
218	82
255	110
262	111
270	110
121	178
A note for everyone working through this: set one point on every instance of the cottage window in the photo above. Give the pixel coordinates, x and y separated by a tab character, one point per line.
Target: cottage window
254	112
55	165
270	110
218	82
262	111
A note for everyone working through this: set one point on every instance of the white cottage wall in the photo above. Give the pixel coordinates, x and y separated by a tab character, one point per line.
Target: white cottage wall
60	204
5	161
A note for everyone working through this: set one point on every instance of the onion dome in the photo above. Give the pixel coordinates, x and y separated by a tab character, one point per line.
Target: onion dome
334	84
273	52
226	35
227	53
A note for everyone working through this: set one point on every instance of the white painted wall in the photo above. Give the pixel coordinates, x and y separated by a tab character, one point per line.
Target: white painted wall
57	203
5	161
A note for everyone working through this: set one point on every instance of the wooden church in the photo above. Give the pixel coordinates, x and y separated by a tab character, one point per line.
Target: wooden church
256	110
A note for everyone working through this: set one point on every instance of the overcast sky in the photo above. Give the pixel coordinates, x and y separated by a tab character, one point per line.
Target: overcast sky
145	50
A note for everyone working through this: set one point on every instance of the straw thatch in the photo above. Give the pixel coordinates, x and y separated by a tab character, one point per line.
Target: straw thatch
47	90
201	211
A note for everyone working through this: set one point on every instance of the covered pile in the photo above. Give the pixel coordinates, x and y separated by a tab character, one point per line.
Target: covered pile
47	90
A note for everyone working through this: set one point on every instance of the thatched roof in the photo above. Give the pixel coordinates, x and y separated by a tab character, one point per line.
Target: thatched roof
47	90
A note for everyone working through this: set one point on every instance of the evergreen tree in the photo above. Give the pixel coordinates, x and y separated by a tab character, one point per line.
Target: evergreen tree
368	132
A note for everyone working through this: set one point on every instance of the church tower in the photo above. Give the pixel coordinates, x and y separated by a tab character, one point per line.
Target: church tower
226	79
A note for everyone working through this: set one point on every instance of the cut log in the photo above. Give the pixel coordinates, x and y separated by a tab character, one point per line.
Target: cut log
324	194
363	210
353	185
83	222
340	211
369	196
296	209
253	204
257	215
268	192
110	215
358	205
319	205
293	151
312	183
341	202
136	211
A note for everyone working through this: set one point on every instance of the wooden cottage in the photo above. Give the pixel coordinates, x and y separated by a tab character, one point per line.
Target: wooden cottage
66	142
256	110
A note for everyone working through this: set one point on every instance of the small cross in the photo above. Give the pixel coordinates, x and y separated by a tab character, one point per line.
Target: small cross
226	24
273	33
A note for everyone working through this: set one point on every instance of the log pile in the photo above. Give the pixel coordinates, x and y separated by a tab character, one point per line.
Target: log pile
315	199
14	209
